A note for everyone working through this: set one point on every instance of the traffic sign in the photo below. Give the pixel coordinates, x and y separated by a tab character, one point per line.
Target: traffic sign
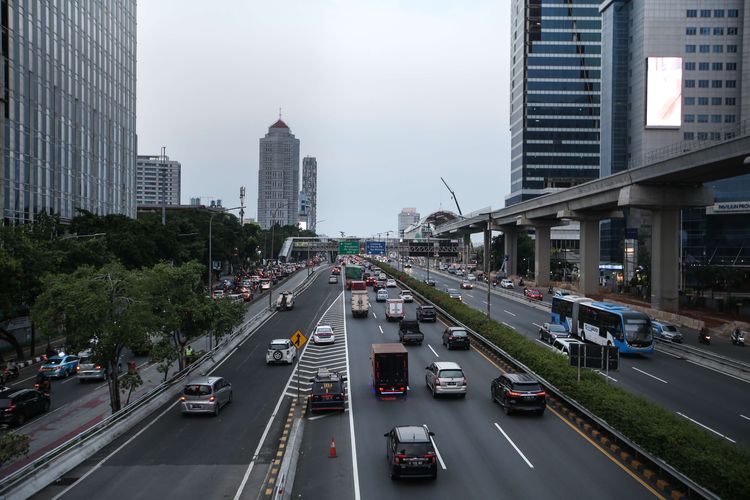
350	247
375	247
298	339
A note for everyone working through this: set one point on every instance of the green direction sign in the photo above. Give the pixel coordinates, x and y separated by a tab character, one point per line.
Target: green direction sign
349	247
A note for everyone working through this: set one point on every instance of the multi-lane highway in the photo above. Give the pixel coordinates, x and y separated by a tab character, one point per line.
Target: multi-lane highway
724	405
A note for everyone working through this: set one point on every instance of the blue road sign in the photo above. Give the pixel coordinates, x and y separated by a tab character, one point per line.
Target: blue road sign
375	247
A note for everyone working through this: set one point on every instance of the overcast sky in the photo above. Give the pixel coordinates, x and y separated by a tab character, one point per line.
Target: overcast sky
388	95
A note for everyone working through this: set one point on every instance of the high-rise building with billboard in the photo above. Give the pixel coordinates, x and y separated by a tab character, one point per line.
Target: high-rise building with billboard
278	177
67	109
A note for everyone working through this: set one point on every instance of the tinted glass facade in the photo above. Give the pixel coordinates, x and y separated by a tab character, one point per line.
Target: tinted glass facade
68	86
278	177
555	95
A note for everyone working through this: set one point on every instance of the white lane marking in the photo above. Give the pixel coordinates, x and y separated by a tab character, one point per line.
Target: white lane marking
538	326
706	427
484	302
437	452
514	446
271	419
743	416
433	350
355	470
380	328
374	316
508	325
69	379
605	375
717	371
670	354
508	312
648	374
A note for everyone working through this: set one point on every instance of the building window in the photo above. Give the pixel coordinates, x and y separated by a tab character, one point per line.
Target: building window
688	136
716	101
703	66
690	49
704	49
703	101
691	30
731	66
689	118
690	84
732	30
718	49
730	118
733	13
718	12
731	84
715	136
732	49
689	101
705	12
717	66
702	119
715	118
689	66
719	31
702	136
716	84
703	84
705	30
693	13
730	101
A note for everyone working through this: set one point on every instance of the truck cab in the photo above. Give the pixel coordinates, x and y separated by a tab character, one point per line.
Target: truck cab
285	301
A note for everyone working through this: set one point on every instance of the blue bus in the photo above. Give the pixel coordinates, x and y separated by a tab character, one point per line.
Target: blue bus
604	323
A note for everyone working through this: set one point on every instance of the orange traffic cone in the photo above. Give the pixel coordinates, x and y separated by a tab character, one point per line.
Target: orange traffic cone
332	450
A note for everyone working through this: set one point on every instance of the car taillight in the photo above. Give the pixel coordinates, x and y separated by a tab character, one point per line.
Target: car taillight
401	388
541	394
398	457
10	408
514	393
78	368
98	367
183	398
466	381
450	337
431	456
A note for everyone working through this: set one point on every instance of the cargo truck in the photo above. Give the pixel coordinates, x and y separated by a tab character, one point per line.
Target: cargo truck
360	304
390	369
352	273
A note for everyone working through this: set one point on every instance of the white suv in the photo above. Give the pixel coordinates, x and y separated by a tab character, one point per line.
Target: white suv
562	346
281	351
506	283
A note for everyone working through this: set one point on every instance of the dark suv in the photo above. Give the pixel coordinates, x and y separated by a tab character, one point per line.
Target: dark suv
519	392
328	391
410	452
18	405
426	313
455	336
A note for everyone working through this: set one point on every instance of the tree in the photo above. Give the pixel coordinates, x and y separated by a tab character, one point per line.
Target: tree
107	308
12	446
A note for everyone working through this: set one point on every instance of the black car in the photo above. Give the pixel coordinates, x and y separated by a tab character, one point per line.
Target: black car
549	332
19	405
426	313
429	282
519	392
328	391
410	452
455	336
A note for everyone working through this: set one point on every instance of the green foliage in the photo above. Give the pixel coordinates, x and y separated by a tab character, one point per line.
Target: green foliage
129	383
12	446
711	462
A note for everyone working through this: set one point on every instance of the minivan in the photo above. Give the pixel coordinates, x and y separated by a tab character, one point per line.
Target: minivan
205	395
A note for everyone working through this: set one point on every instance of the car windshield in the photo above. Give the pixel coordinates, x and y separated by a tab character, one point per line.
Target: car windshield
197	390
415	449
451	374
459	333
527	386
86	360
329	387
557	329
428	309
54	361
669	328
277	346
453	291
324	330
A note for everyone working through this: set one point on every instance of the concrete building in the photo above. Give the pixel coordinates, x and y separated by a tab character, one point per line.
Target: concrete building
555	96
406	218
67	110
157	180
677	75
310	189
278	177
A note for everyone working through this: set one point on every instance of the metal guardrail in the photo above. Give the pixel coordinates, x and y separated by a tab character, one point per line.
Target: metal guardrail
708	359
25	475
663	466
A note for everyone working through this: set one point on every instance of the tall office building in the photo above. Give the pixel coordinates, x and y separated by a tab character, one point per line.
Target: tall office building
679	72
555	95
406	218
157	180
278	177
310	188
67	116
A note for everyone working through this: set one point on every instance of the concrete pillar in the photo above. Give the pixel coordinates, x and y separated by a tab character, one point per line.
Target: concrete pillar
511	250
589	280
665	259
542	255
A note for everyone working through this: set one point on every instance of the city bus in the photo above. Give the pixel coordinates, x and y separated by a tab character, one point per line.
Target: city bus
604	323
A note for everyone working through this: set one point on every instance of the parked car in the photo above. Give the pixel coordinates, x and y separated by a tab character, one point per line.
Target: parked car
60	366
426	313
445	377
454	294
19	405
88	369
549	332
323	334
205	395
666	331
506	283
381	295
533	294
456	336
410	452
281	351
519	392
328	391
466	285
333	279
406	296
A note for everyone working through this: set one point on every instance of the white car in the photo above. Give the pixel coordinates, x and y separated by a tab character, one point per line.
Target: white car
471	277
391	283
382	295
506	283
562	346
323	334
406	296
281	351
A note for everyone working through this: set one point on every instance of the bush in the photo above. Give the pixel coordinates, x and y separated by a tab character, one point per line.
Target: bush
706	459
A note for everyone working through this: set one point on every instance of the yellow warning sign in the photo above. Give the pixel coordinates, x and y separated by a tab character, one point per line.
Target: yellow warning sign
298	339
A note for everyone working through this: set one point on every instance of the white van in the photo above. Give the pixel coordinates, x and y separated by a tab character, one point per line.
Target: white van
394	309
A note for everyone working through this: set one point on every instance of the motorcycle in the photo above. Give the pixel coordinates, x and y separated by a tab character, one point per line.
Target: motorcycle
704	337
11	373
737	337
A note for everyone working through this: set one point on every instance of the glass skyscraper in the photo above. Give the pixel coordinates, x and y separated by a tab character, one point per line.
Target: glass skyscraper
67	126
555	95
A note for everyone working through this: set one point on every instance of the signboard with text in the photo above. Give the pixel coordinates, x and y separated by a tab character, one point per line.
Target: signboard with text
375	247
349	247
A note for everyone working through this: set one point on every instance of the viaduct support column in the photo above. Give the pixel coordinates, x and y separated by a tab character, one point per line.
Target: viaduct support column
665	259
541	254
589	280
511	250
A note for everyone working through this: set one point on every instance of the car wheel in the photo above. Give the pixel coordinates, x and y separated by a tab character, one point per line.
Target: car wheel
463	395
506	409
229	401
434	394
540	412
216	410
45	407
20	419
